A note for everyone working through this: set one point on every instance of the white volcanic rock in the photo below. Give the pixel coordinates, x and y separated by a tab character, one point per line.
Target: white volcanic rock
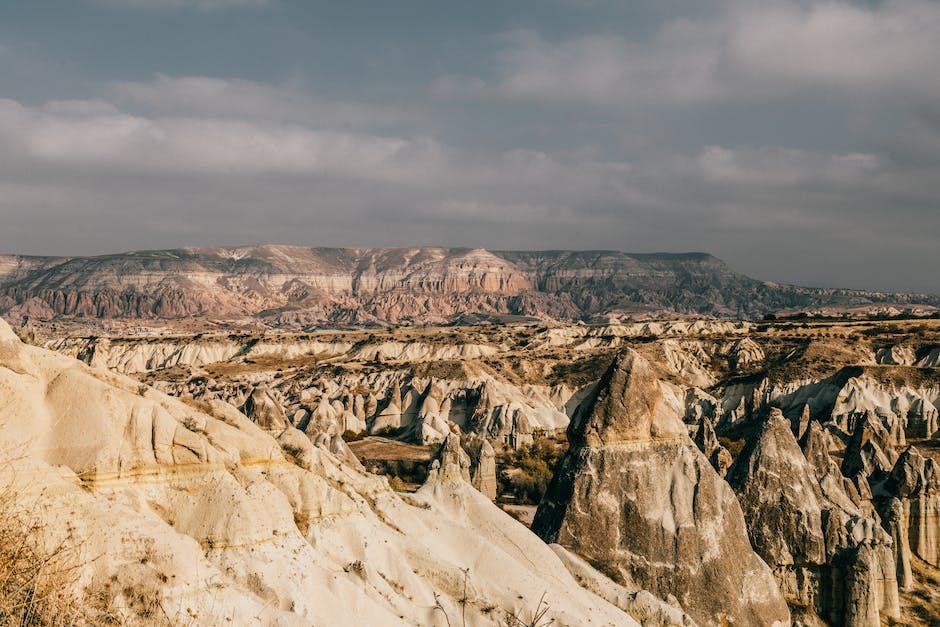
262	408
210	516
809	540
390	416
634	496
746	352
931	359
914	484
896	355
841	400
483	470
689	360
641	605
419	352
707	442
451	458
871	448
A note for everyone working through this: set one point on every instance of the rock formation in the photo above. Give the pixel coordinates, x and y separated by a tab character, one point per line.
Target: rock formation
634	496
813	544
298	286
390	416
707	442
910	504
264	410
483	470
452	458
201	515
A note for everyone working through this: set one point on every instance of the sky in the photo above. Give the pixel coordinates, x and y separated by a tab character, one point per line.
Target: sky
798	140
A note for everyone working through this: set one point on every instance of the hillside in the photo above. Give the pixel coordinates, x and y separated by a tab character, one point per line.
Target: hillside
294	287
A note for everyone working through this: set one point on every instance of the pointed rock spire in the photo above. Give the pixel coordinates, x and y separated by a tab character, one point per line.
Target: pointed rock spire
626	405
635	497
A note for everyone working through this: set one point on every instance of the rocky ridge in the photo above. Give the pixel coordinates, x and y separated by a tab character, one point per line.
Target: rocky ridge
294	286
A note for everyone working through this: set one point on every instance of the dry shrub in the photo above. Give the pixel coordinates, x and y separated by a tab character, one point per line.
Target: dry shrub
35	579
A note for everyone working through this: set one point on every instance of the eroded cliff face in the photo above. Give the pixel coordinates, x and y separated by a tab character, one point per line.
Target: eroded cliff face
635	496
829	554
293	286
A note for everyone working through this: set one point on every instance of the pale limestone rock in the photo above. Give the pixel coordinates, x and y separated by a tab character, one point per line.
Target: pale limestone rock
800	424
894	520
810	538
391	415
452	459
640	604
707	442
870	449
915	481
627	405
341	450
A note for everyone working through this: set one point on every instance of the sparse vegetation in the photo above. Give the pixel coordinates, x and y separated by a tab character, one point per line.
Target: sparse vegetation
527	472
536	618
35	579
354	436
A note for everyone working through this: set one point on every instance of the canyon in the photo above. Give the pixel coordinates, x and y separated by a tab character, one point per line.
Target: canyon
807	449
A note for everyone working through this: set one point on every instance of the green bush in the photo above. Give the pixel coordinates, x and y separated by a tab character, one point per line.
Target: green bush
528	471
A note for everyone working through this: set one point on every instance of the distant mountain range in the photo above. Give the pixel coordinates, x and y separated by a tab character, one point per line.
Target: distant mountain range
292	286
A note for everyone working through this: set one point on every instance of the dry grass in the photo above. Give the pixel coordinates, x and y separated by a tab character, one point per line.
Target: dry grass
920	606
39	581
35	579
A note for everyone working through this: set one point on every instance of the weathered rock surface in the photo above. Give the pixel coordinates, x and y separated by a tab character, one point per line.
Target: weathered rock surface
812	543
910	498
707	442
264	410
635	496
483	470
207	516
452	458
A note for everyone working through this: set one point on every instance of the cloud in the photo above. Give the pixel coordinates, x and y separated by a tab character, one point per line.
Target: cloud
244	99
777	167
740	51
201	160
97	136
199	5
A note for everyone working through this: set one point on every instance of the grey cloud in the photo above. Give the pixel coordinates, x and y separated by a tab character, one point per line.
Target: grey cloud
199	5
744	51
267	181
92	135
244	99
797	140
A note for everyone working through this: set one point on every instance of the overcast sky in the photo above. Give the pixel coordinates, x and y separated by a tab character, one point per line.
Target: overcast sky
798	140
